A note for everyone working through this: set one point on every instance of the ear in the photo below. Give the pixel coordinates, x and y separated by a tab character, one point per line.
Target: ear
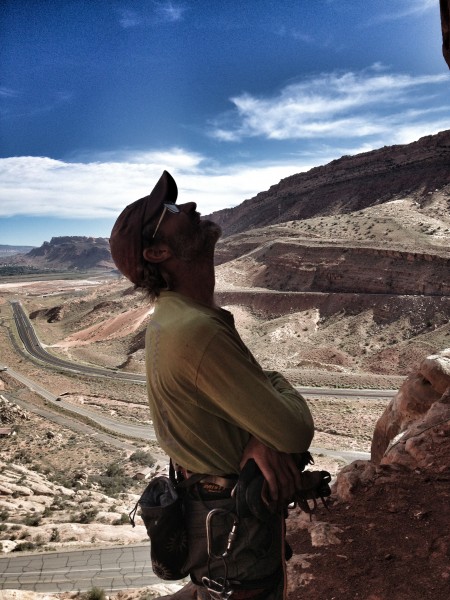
157	253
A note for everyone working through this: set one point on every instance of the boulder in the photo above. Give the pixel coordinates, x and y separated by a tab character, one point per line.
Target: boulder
419	392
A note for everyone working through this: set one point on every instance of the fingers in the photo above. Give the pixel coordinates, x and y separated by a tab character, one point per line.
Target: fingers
286	477
278	469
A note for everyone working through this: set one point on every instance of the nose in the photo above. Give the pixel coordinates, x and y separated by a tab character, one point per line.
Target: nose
187	207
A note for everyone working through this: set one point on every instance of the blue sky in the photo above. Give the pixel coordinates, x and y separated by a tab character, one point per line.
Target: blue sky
97	97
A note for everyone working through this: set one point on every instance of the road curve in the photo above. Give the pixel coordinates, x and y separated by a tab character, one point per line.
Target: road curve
35	349
129	430
111	569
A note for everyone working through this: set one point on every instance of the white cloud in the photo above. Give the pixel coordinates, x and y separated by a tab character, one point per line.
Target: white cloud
336	113
7	93
330	105
296	34
128	18
168	12
40	186
400	9
171	12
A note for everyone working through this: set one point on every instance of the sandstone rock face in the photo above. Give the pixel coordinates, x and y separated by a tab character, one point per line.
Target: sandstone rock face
387	536
11	413
412	434
312	267
436	370
37	510
52	315
419	405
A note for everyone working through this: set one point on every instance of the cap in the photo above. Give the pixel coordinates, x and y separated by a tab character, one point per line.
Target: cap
126	236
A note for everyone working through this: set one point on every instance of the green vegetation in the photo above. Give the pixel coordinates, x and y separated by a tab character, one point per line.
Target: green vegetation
4	515
32	520
142	458
114	481
24	546
95	593
123	520
87	516
14	270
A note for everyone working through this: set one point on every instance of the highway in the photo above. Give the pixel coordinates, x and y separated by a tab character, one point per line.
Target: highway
78	426
35	349
129	430
145	431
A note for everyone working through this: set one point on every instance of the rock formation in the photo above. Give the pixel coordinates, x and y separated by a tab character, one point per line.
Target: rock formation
348	184
386	536
422	401
69	252
52	315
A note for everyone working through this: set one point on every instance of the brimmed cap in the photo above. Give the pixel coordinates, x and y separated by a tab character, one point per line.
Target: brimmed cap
126	235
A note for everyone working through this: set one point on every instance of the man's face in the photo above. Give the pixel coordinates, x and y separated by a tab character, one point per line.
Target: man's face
188	236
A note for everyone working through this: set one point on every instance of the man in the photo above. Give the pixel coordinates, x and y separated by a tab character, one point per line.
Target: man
213	407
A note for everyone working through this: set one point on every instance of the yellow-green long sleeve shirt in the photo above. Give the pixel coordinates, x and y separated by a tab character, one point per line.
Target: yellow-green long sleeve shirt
208	394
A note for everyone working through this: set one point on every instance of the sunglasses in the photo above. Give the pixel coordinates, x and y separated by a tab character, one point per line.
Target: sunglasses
173	208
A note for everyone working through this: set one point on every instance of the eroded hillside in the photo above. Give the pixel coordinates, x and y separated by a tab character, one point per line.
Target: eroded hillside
348	184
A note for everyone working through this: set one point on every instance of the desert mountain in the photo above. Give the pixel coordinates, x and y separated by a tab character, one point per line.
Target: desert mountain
347	185
68	252
324	230
354	296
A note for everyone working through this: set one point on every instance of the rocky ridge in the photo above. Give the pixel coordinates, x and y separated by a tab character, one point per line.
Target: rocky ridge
348	184
384	536
320	267
68	252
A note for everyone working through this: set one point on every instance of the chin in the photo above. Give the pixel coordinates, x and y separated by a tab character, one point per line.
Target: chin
213	229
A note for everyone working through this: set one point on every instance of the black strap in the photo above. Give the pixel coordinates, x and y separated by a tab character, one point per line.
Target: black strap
184	483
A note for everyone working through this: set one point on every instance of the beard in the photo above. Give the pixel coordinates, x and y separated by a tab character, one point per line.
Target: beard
198	243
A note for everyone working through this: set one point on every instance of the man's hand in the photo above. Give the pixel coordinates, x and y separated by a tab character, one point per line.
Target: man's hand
278	469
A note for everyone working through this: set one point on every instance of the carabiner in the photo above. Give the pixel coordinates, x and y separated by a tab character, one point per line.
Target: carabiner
209	534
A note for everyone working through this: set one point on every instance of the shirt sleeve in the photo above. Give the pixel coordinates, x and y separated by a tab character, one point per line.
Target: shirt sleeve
233	386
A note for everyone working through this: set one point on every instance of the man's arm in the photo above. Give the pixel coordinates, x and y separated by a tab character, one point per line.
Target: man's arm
278	469
233	386
276	416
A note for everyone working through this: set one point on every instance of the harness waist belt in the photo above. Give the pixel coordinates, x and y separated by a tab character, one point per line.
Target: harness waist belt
224	482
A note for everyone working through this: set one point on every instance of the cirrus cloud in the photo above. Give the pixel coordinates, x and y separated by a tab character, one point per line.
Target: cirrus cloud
349	105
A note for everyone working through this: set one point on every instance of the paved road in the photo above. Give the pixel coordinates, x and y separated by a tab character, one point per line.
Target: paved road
35	349
77	426
139	432
130	430
107	568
